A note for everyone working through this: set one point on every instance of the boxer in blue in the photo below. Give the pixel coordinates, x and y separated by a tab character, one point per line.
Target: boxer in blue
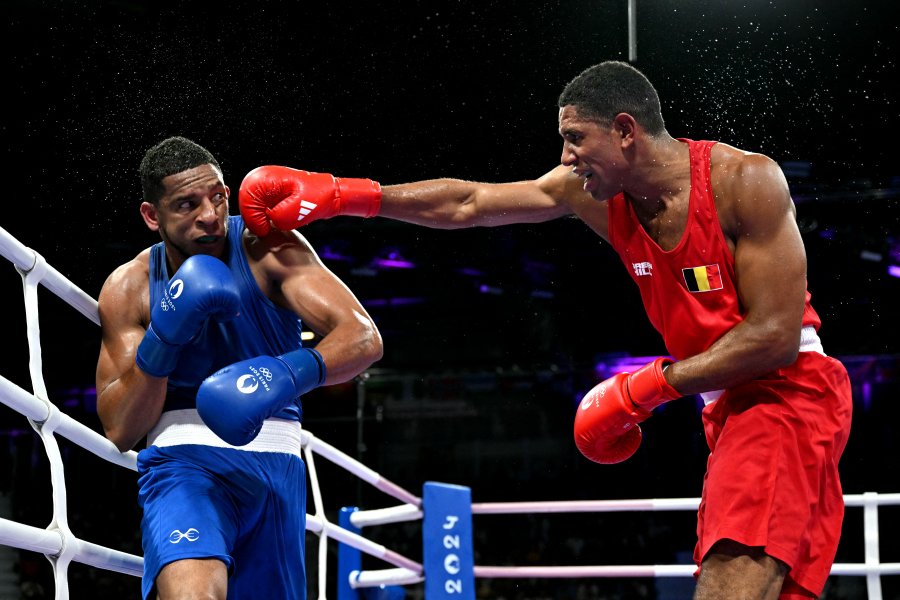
201	354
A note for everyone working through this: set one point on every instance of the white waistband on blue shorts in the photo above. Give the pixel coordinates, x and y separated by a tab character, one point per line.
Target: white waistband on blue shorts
178	427
809	342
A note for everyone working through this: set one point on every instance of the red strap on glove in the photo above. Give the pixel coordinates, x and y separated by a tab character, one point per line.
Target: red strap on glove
648	388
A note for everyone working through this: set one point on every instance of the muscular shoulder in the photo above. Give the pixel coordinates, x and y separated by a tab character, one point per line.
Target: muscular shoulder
277	253
746	184
135	274
277	259
127	289
733	164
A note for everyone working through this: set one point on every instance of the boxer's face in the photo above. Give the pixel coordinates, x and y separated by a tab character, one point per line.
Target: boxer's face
192	215
594	152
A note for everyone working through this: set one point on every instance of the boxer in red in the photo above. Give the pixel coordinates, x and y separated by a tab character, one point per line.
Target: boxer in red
708	233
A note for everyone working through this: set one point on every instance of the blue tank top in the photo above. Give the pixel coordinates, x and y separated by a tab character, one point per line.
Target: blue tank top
261	328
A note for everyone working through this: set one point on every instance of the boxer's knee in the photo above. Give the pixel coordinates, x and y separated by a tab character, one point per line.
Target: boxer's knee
738	572
193	579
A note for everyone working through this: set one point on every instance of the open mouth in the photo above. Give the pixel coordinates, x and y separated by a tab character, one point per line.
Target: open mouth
587	176
583	174
207	239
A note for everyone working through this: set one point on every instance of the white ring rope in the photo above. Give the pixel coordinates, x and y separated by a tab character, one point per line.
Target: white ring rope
869	501
61	546
24	259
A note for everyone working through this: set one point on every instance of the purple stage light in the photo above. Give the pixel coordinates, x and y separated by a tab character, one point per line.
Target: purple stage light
487	289
398	301
393	263
610	366
328	253
392	259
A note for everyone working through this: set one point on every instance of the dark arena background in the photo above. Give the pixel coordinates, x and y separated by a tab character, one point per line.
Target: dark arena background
491	335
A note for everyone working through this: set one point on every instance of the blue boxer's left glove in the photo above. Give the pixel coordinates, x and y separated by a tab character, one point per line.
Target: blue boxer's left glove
203	288
234	401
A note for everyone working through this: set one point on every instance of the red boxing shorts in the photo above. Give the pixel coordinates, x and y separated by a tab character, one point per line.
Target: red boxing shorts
772	476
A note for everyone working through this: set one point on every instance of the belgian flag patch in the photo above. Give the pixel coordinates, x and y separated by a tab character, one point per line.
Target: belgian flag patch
703	279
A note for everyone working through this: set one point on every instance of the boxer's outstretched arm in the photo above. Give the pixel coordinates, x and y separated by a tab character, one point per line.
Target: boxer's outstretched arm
455	203
276	198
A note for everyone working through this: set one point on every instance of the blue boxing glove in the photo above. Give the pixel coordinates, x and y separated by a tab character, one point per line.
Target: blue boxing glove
234	401
201	289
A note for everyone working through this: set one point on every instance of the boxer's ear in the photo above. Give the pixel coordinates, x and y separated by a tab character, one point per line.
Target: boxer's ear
150	216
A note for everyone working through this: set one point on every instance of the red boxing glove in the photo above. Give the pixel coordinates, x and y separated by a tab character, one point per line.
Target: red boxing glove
606	424
287	198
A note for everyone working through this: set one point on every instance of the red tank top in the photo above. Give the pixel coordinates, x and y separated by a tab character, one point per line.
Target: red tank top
688	292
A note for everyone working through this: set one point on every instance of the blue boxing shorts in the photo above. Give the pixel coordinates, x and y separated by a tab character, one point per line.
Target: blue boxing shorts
244	506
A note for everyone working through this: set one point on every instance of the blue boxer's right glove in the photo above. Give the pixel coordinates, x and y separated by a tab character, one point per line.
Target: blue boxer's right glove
234	401
202	288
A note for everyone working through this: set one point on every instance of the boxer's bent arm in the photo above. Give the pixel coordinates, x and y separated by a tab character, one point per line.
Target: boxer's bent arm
350	340
455	203
770	269
129	401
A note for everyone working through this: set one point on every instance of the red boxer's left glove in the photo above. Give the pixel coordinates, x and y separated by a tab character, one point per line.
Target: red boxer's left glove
287	198
606	424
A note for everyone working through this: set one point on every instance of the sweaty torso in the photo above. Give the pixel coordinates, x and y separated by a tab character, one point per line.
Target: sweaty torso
678	253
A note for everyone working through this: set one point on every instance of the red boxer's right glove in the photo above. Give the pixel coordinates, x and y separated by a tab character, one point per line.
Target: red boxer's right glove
287	198
606	424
